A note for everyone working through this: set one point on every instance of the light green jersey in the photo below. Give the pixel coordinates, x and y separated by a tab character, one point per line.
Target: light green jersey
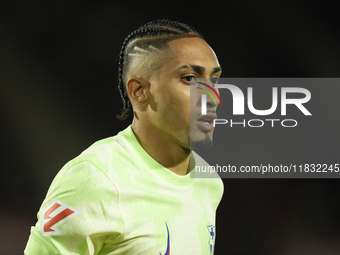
115	199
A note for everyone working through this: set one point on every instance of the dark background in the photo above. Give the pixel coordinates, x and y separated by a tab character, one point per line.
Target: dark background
58	72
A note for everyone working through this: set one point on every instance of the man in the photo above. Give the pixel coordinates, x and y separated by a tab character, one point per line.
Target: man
132	193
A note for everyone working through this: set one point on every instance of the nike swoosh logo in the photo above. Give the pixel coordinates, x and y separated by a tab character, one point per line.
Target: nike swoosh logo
168	242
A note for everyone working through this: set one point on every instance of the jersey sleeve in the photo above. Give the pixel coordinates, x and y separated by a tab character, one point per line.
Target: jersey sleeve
80	214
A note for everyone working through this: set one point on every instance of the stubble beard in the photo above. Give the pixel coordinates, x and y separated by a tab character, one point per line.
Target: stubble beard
201	144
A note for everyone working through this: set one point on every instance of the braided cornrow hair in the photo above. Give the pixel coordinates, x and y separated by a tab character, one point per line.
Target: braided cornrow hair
153	34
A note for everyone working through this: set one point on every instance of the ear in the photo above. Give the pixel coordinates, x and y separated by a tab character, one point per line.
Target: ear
137	89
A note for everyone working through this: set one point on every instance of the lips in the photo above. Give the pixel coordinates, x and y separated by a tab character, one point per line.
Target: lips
205	123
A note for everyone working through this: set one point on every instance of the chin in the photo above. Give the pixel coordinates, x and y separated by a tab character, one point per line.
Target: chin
203	143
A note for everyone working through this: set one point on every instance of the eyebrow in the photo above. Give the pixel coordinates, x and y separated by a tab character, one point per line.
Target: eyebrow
200	69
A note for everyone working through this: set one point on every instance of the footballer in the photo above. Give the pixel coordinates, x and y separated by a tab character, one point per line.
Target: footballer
132	193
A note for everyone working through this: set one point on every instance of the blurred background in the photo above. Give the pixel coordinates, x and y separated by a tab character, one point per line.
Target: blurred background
58	72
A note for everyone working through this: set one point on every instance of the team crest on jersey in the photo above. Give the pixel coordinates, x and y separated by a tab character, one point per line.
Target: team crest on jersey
54	215
211	229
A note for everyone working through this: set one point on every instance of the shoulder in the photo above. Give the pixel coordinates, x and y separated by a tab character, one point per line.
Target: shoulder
91	171
104	153
78	203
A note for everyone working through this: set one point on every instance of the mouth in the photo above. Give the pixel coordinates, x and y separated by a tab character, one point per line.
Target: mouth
205	123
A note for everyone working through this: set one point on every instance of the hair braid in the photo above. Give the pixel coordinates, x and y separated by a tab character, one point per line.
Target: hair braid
159	32
123	93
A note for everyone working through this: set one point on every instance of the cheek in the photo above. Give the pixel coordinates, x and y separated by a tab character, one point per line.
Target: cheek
185	102
173	102
195	99
181	106
176	108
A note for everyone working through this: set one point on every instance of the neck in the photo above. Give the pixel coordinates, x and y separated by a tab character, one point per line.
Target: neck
162	149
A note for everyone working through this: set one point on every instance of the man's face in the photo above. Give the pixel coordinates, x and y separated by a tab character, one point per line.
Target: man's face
176	101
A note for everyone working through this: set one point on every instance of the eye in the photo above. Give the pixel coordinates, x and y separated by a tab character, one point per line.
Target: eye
189	78
214	80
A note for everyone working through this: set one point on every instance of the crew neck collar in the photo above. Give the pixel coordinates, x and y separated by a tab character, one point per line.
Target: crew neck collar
152	166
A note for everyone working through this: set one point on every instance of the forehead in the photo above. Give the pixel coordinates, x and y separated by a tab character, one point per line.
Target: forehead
192	51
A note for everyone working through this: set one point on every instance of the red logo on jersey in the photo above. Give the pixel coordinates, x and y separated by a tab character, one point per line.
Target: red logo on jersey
54	215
